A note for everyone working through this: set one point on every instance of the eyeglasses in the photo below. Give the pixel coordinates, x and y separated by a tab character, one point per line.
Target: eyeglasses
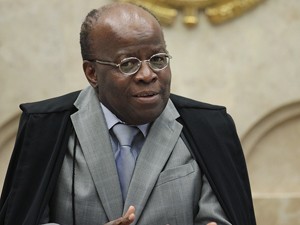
131	65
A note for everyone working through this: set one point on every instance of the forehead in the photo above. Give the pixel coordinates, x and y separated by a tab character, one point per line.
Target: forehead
126	28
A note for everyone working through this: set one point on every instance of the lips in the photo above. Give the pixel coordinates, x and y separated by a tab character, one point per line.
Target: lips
145	94
147	98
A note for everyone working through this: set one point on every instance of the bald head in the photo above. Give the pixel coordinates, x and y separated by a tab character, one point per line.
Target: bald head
117	19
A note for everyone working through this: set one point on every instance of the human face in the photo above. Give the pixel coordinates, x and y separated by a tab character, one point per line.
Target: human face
139	98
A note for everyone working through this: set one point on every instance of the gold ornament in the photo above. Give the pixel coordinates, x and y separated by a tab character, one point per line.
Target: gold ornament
217	11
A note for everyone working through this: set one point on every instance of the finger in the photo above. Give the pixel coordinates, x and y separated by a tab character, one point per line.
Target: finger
130	210
127	219
129	215
212	223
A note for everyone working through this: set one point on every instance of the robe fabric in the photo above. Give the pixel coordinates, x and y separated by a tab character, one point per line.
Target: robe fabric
41	144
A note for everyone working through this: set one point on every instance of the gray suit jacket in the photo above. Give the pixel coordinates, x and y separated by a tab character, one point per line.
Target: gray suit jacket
167	185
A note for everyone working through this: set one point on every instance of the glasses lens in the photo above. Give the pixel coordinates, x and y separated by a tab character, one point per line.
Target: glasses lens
159	61
129	65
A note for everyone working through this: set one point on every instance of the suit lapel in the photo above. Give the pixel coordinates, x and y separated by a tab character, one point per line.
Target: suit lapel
152	158
89	124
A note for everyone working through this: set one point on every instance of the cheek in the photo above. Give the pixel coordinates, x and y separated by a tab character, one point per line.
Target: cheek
166	80
112	90
107	83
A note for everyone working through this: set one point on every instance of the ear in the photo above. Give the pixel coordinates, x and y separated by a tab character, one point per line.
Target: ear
90	73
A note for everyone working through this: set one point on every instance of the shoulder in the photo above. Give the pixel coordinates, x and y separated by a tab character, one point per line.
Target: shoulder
201	114
56	104
187	103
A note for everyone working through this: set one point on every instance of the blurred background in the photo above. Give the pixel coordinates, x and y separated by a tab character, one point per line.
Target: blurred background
250	64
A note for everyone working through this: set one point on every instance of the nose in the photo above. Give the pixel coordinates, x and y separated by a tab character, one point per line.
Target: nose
145	74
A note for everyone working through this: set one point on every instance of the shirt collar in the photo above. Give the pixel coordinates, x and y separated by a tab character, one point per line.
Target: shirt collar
112	119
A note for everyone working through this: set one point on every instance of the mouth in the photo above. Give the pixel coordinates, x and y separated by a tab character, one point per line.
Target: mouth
147	97
146	94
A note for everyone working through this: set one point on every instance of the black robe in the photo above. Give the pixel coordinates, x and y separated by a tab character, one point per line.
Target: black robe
41	145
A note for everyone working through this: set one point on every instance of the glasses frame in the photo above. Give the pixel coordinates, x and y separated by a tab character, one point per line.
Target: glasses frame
117	65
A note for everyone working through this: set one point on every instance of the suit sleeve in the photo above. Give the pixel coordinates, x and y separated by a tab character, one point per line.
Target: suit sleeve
210	209
217	149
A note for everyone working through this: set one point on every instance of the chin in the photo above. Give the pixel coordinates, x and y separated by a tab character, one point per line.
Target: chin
147	117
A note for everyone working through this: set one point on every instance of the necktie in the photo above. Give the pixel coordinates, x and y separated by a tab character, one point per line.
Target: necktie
125	160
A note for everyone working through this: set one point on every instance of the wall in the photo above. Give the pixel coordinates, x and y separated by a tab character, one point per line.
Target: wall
251	65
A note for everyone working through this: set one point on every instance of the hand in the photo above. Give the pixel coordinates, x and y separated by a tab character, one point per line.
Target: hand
127	219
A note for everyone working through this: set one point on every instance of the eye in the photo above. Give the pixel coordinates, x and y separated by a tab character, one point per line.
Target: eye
158	58
158	61
129	64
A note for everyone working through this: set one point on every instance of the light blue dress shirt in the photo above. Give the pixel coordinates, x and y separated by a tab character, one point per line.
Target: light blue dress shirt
111	120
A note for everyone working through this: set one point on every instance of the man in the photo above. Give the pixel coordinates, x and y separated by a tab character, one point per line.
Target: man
68	164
